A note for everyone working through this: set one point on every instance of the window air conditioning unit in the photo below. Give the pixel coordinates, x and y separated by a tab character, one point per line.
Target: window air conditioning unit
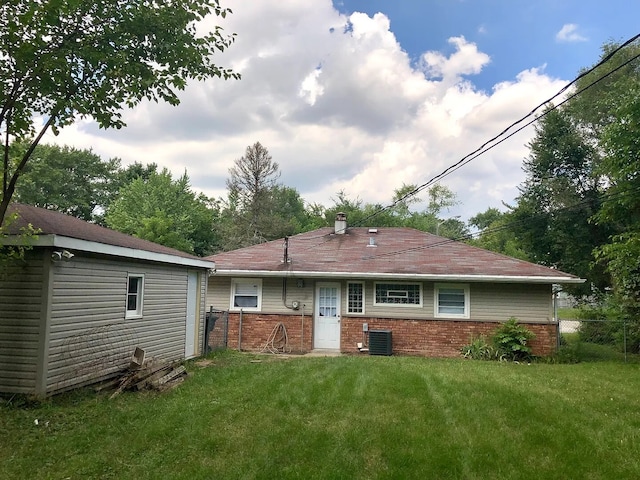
380	342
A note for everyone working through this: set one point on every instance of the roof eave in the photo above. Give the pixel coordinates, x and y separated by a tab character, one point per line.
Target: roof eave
403	276
59	241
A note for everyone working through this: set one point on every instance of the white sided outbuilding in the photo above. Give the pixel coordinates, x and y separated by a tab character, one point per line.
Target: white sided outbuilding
84	297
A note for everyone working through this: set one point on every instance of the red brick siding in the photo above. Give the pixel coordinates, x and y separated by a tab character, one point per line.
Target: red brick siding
430	338
257	328
437	338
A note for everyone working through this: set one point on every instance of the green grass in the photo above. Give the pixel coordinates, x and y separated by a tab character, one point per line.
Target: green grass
568	313
343	417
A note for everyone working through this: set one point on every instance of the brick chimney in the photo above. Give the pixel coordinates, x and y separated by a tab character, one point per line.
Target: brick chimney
341	223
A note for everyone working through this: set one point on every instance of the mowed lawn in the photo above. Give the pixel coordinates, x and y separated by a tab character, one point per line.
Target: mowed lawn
348	417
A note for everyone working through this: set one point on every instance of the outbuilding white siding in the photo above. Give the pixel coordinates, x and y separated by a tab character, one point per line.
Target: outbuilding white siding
22	286
64	324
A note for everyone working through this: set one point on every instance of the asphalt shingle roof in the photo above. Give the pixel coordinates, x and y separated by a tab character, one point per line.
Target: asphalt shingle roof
401	251
50	222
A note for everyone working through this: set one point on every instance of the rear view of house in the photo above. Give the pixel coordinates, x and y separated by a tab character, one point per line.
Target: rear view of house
85	297
341	288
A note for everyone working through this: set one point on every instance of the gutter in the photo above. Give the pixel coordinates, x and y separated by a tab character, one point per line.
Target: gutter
58	241
403	276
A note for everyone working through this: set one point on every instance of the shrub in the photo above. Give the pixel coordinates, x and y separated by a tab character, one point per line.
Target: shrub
510	340
479	349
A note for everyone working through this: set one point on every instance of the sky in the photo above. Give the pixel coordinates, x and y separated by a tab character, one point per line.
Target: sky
363	96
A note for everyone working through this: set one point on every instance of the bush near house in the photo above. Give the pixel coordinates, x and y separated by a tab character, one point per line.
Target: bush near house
508	342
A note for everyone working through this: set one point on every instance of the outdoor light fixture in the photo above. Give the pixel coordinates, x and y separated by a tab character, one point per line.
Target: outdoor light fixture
58	255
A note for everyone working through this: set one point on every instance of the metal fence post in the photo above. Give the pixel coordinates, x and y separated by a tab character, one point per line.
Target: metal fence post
624	336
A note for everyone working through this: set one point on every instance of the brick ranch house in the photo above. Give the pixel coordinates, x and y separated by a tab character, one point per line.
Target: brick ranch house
331	287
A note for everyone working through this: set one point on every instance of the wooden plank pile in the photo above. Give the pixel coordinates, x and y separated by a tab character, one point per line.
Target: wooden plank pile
148	374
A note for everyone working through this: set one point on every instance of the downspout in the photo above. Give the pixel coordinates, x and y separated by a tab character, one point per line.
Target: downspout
240	332
555	316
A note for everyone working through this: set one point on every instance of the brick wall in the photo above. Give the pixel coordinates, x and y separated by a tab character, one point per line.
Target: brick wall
437	338
257	328
431	338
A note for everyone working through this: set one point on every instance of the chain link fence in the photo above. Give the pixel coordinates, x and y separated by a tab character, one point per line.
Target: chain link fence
216	331
598	339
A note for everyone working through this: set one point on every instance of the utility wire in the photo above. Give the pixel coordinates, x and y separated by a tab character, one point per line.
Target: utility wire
508	225
486	146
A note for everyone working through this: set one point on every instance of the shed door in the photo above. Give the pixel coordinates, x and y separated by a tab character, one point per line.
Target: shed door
192	301
326	331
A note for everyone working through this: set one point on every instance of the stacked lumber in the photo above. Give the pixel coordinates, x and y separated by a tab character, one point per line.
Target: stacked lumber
150	375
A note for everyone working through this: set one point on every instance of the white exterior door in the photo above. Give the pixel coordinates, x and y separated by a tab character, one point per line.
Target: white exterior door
192	301
326	325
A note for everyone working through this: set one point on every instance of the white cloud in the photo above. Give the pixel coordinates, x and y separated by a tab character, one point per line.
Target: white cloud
569	33
339	105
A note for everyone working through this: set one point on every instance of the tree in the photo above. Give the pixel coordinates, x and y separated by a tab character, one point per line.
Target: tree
400	213
621	206
71	181
67	59
497	233
165	211
595	108
251	208
558	198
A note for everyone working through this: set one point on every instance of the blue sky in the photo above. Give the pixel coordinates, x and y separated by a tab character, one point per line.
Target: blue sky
515	34
363	96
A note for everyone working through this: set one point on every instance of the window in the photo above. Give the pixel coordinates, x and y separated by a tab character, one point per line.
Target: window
402	294
246	294
134	295
355	297
452	301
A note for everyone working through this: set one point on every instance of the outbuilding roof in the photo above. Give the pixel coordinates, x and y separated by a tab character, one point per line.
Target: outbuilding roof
59	230
393	253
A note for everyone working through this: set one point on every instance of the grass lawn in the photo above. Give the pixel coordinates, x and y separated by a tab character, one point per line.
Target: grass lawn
568	313
342	417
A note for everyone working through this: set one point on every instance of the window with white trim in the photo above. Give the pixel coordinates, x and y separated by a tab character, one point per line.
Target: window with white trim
355	297
400	294
451	301
246	294
135	288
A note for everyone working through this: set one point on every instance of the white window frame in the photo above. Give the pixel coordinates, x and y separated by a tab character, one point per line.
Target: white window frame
436	300
361	312
137	312
246	281
399	294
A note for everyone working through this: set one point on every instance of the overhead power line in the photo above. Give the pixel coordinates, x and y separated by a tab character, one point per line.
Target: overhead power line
489	144
506	226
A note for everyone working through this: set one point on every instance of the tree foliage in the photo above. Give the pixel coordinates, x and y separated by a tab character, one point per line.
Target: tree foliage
165	211
75	58
552	219
579	202
621	205
72	181
258	208
403	212
497	233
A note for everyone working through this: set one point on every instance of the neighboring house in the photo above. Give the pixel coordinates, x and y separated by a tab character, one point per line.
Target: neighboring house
74	310
331	287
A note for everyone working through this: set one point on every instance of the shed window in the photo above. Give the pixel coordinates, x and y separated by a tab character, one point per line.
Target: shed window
246	294
135	285
452	301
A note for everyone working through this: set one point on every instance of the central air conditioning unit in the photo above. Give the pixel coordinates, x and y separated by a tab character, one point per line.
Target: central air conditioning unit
380	342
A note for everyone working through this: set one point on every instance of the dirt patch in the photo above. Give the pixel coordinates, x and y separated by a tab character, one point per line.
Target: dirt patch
204	363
